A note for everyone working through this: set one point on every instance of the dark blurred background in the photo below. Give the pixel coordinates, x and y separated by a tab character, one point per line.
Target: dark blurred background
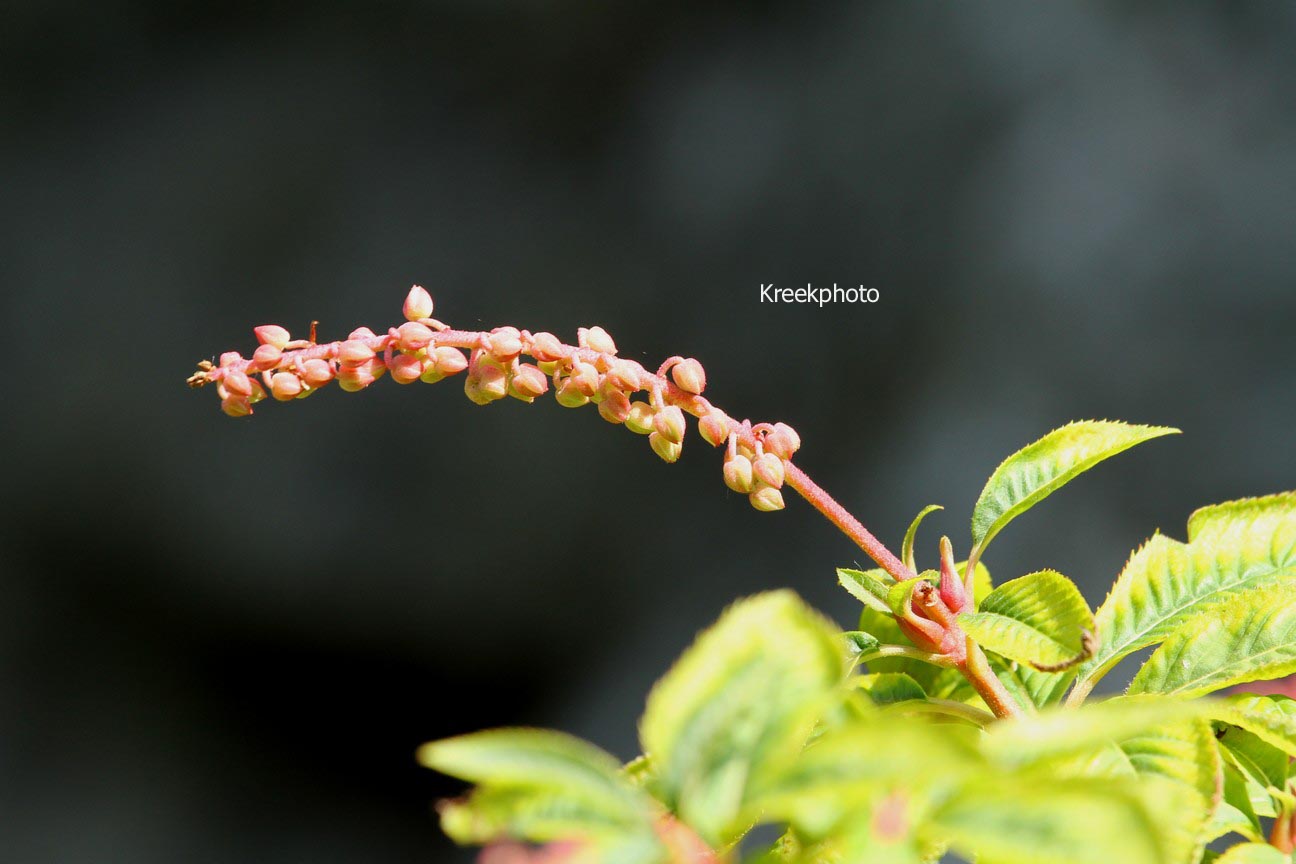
221	641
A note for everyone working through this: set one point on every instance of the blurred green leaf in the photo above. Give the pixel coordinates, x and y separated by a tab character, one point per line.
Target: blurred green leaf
1231	547
1032	473
1252	853
1248	637
887	688
1037	619
740	703
1184	765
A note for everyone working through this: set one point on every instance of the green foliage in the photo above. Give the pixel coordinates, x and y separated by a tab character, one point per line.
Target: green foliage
863	749
1231	549
1039	619
907	545
1037	470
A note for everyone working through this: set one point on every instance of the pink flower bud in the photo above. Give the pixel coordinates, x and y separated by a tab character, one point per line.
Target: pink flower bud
783	442
667	450
570	396
265	357
669	424
229	358
285	386
768	469
640	418
354	352
236	406
528	382
596	339
418	304
486	383
714	428
355	378
546	347
238	383
623	375
361	333
406	368
317	373
766	498
584	378
689	376
738	474
272	334
504	343
412	336
258	392
615	407
450	361
430	373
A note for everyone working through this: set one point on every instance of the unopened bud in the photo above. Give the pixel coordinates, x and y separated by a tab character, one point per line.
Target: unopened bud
265	357
418	304
430	375
640	418
406	368
485	384
271	334
766	498
258	392
285	386
615	407
689	376
238	383
229	358
714	428
412	336
570	396
236	406
528	383
783	441
354	352
317	373
667	450
768	469
355	378
584	378
450	361
596	339
361	333
669	424
738	474
623	375
546	347
504	343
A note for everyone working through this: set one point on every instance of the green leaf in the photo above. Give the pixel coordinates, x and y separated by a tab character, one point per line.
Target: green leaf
884	627
1231	547
1235	813
1271	718
1184	758
1032	473
1252	853
887	688
1081	822
542	786
1267	765
859	643
739	703
870	587
1038	619
1249	637
1030	686
906	547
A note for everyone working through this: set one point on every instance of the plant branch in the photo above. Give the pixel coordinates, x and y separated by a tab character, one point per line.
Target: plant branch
976	668
945	706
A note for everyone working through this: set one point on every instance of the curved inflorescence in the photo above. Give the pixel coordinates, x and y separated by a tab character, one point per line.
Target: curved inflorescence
590	372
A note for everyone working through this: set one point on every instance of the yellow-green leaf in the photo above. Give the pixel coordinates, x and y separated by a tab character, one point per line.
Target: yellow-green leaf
1249	637
1038	619
1032	473
1231	547
906	546
1270	718
1252	853
739	703
1185	764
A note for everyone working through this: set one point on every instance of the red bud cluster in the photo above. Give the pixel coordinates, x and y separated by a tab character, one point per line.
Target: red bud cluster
424	349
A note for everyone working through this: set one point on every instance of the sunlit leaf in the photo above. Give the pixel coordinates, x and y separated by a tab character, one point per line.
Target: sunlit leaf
1252	853
1231	547
1272	718
1184	758
870	587
906	547
1038	619
1032	473
1248	637
740	702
